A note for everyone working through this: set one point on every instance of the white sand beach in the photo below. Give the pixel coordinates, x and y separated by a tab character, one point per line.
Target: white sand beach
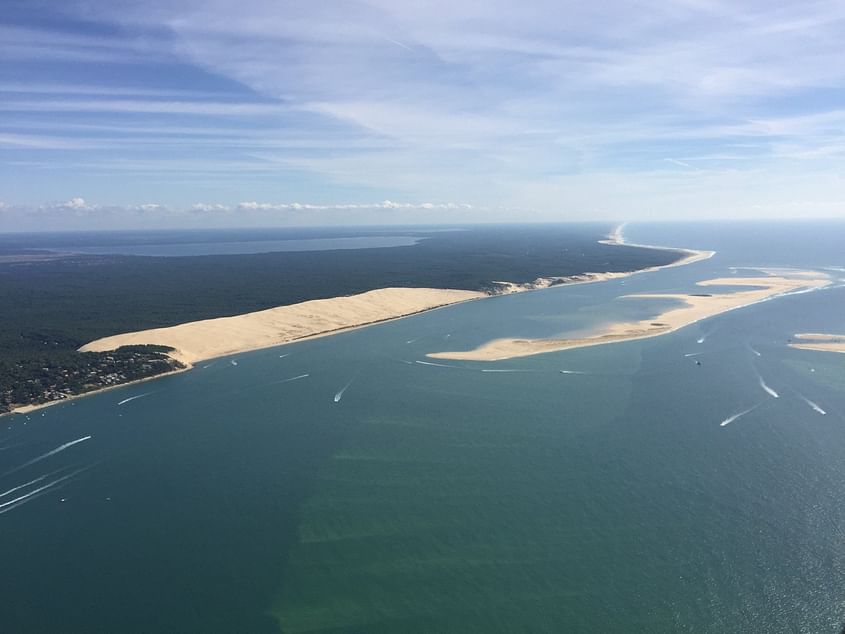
820	341
694	308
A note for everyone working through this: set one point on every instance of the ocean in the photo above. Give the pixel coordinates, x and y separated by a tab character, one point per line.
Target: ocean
352	484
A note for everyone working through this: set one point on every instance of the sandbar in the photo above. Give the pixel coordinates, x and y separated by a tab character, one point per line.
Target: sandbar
820	341
694	307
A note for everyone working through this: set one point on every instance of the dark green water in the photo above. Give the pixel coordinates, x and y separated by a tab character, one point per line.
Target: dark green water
449	499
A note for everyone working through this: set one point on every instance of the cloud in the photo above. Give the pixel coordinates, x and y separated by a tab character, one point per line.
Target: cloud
387	204
496	103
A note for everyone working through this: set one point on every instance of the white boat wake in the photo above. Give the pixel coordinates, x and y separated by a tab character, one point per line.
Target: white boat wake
438	365
233	362
293	378
737	416
767	389
754	351
339	395
53	452
693	354
815	406
132	398
701	339
572	372
5	507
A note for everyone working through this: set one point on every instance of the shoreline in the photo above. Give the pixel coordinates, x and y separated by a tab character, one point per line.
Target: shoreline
820	342
26	409
695	307
299	331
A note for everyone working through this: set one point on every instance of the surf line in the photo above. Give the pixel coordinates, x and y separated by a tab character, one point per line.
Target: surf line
132	398
50	453
731	419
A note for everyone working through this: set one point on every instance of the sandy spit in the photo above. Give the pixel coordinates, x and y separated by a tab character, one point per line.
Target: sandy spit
820	341
695	307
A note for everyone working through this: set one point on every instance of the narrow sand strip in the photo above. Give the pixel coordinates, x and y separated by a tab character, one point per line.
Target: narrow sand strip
820	341
695	307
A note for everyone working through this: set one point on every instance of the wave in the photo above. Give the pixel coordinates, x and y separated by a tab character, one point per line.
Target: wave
52	452
738	415
132	398
812	404
767	389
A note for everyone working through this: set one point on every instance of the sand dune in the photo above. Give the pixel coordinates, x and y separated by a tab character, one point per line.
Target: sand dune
694	308
199	340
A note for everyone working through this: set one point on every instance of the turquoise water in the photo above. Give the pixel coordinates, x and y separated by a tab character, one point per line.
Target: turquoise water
450	499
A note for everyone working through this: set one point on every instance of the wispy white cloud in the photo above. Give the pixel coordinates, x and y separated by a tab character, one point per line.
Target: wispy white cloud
537	103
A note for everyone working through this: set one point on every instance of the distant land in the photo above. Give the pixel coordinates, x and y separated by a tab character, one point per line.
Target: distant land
65	299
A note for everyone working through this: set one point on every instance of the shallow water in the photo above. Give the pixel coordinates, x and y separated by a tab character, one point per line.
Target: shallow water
450	498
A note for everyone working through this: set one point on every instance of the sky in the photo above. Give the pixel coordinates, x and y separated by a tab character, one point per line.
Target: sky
155	113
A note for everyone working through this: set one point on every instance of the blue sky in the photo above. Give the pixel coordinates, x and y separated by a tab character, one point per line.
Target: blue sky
266	112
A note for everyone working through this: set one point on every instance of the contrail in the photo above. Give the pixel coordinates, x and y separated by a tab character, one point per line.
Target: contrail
132	398
49	453
731	419
8	506
398	43
767	389
813	405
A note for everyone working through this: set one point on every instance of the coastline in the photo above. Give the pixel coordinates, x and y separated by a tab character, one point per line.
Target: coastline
820	342
695	307
319	318
26	409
